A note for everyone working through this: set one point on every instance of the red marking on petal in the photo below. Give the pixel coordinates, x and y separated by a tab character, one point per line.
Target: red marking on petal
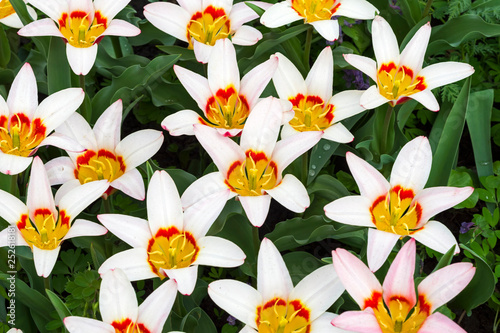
122	325
403	100
64	218
19	118
373	301
274	301
273	165
314	99
403	193
162	232
215	12
375	204
244	101
296	100
329	116
106	153
39	127
225	93
423	305
255	156
101	19
196	16
407	71
78	14
143	328
22	222
210	101
387	67
421	84
232	167
304	313
42	211
85	157
62	20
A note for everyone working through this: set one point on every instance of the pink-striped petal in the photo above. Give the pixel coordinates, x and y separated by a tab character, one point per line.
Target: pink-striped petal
117	300
358	321
219	252
133	262
328	29
273	279
76	324
255	81
23	94
39	192
85	228
319	81
169	18
246	35
185	278
443	73
42	27
353	210
256	208
130	183
324	324
436	236
45	260
385	44
338	133
357	9
371	98
372	184
139	146
153	312
132	230
195	84
438	322
380	245
107	127
291	193
181	122
81	59
279	15
414	52
364	64
222	67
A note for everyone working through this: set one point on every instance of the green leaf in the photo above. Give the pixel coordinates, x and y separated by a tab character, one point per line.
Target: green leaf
320	155
58	71
447	149
185	54
4	48
404	113
61	308
21	11
329	187
300	264
255	8
445	259
411	11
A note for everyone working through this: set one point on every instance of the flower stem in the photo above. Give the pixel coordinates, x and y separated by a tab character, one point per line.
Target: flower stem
256	239
83	108
117	47
46	283
427	8
305	167
385	131
14	188
307	48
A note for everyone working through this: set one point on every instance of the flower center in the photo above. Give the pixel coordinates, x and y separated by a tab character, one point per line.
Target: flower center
128	326
315	10
171	249
21	136
44	232
395	213
394	82
79	31
104	164
253	177
311	113
227	109
398	318
6	9
278	316
208	26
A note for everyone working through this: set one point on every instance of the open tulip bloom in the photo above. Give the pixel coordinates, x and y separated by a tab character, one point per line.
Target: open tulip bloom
120	311
82	24
400	76
202	22
225	101
318	13
315	108
253	170
277	306
398	294
401	207
25	125
172	242
106	157
39	225
9	17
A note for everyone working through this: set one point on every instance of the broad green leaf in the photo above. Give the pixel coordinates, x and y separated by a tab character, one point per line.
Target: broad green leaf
4	48
300	264
185	54
58	70
61	308
445	259
447	149
404	112
329	187
197	321
411	11
21	11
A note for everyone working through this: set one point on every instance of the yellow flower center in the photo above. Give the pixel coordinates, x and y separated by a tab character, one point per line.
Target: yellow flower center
208	26
227	109
311	113
315	10
128	326
253	177
44	232
21	136
394	82
79	31
398	318
91	166
6	9
171	249
279	316
395	213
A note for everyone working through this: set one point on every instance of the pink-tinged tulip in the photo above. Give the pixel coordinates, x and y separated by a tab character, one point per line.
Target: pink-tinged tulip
225	101
106	157
400	76
25	125
202	22
253	170
120	311
315	108
9	17
172	243
277	306
403	311
401	207
318	13
40	225
82	24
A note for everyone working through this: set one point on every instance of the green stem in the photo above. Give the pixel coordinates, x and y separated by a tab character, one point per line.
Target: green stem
14	188
46	283
115	40
305	167
256	239
427	8
107	205
385	131
83	108
307	48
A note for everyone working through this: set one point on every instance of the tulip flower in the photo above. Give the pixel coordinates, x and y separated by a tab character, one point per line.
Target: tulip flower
82	24
25	125
253	170
401	207
225	101
315	108
119	309
276	305
172	243
106	157
318	13
39	225
9	17
202	22
400	76
403	311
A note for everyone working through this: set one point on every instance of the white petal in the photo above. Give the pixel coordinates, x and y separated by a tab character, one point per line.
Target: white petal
11	208
372	184
219	252
76	324
347	104
13	164
256	208
133	262
438	322
443	73
323	324
169	18
117	300
107	127
109	9
357	9
7	234
279	14
319	81
287	80
121	28
85	228
65	188
39	192
4	108
12	21
132	230
338	133
427	99
364	64
353	210
23	94
371	98
436	236
414	52
195	84
288	149
52	9
202	51
255	81
76	127
222	67
42	27
185	278
81	59
287	131
237	298
153	312
202	188
413	165
55	109
328	29
291	193
191	6
60	170
63	142
181	122
45	260
79	198
358	321
130	183
139	146
241	13
385	44
273	279
246	35
380	245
